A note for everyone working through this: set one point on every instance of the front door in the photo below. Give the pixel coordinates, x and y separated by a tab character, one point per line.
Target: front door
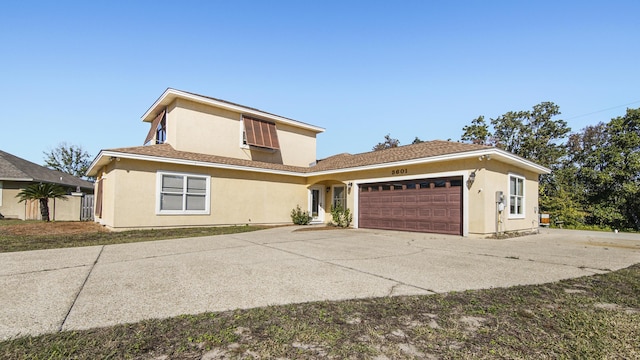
316	204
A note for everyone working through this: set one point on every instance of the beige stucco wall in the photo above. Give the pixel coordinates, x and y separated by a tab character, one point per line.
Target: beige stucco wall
297	146
495	177
241	197
204	129
59	209
237	198
65	210
10	207
108	195
479	208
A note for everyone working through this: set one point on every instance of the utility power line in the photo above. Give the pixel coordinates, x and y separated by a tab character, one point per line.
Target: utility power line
603	110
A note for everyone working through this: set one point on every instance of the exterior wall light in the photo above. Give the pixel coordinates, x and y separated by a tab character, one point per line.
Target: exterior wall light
471	179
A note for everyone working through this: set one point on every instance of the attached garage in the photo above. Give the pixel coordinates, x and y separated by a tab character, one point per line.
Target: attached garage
424	205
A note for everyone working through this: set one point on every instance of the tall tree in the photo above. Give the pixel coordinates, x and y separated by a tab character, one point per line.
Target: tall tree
610	171
477	133
42	192
533	134
70	159
388	143
544	137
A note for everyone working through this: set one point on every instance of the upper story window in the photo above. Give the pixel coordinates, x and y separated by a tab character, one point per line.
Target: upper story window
182	194
260	133
158	129
161	131
516	196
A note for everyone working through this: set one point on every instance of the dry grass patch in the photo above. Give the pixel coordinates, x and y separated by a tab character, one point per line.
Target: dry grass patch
17	235
37	228
523	322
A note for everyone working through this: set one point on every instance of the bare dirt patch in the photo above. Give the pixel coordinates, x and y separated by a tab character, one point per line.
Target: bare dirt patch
53	228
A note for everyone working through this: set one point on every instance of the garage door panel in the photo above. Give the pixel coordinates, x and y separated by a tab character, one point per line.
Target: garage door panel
411	225
410	199
395	224
440	227
442	213
413	207
425	213
425	226
440	198
410	212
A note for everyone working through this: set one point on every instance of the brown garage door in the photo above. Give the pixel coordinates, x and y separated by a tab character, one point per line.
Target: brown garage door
424	205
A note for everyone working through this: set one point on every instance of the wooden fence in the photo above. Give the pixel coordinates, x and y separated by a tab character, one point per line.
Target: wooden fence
86	211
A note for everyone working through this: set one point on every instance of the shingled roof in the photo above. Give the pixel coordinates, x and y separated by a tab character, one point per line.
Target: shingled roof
168	152
423	150
14	168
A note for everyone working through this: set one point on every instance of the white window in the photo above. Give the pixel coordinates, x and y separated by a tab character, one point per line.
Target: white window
339	197
516	196
0	193
179	194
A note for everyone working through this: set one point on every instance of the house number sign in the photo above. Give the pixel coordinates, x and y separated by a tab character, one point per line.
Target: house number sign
399	171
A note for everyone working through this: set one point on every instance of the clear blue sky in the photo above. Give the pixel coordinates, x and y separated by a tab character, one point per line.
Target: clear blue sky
84	72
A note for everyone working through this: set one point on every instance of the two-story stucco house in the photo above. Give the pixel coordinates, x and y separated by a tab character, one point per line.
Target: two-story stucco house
209	162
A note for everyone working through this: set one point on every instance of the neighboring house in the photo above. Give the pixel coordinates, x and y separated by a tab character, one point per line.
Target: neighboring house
210	162
16	173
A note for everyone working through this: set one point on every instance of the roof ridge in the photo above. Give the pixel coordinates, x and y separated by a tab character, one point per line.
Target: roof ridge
31	171
238	104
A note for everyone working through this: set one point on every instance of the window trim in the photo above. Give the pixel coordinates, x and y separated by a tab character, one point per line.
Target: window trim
184	211
522	215
243	135
0	193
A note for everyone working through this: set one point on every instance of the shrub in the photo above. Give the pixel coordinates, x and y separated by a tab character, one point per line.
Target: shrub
341	217
300	217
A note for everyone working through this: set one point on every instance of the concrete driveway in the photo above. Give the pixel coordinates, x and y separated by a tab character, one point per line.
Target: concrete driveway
79	288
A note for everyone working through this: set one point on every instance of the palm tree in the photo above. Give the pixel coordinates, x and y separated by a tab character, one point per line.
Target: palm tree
42	192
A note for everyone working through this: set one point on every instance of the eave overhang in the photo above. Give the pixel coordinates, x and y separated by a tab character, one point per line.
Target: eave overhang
492	154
